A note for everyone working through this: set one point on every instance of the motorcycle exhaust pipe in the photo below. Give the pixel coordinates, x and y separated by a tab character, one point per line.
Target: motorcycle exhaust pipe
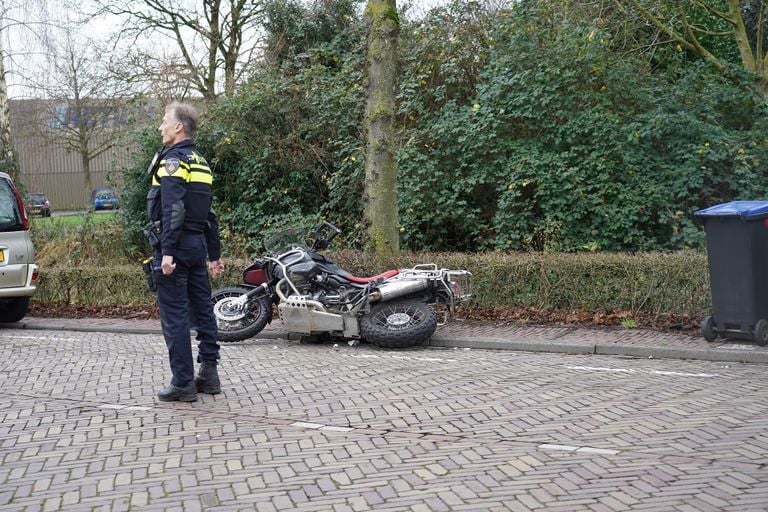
393	289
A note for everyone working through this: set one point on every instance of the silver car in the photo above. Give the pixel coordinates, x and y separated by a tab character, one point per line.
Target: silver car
18	272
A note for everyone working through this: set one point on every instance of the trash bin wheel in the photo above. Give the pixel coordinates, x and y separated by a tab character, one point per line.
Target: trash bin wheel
761	332
708	329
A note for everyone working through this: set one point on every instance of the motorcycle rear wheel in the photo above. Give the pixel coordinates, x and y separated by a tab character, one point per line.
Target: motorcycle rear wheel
237	323
398	324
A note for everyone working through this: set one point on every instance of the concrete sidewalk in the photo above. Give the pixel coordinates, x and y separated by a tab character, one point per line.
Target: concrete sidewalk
463	334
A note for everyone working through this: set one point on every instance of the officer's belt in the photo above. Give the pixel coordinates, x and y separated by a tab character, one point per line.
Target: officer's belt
194	226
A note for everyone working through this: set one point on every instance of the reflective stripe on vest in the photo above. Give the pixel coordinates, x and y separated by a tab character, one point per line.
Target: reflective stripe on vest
194	173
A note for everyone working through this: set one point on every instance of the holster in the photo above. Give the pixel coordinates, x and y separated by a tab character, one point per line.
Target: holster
149	274
153	232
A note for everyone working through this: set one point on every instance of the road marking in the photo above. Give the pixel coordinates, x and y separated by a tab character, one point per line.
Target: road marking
597	451
578	449
559	447
304	424
37	337
683	374
126	407
320	426
336	429
427	359
399	357
654	372
601	369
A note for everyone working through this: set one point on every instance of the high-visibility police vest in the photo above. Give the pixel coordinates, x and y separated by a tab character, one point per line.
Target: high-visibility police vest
180	196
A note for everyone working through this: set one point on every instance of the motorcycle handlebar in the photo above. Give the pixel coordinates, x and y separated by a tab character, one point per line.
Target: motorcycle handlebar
327	224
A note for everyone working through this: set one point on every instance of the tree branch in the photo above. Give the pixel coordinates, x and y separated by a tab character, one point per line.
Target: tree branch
741	36
722	15
661	26
759	57
698	48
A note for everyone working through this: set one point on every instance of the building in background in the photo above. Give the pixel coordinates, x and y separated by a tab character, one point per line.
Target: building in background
47	165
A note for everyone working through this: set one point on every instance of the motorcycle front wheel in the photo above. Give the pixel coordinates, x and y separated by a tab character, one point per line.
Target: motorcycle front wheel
235	321
398	324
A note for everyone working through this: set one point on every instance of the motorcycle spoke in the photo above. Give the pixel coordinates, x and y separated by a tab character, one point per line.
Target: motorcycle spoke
399	317
236	322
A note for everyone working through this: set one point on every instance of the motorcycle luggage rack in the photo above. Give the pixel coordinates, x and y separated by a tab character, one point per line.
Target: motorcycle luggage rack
424	270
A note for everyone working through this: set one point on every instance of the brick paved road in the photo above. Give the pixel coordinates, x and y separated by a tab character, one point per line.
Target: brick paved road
303	427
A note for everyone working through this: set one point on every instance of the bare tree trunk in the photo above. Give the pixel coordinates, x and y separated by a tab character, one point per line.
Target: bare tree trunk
7	154
380	166
85	158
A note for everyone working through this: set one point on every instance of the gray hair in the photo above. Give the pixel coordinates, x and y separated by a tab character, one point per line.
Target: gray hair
186	114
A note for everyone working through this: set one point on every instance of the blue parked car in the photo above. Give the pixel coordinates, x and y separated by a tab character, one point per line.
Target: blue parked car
105	199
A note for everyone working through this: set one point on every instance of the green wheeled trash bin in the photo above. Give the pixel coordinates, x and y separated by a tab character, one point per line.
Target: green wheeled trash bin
737	252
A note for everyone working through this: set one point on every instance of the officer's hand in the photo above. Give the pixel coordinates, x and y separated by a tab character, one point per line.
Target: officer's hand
168	265
216	267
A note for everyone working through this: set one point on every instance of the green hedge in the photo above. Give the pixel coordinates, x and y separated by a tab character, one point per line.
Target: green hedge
642	284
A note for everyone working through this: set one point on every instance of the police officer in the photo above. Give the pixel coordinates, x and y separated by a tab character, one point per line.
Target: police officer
185	232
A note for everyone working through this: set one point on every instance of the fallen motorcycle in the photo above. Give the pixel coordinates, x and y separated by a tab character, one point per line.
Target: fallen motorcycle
317	299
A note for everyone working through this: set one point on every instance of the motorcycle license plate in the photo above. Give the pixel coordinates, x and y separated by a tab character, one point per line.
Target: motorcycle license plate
35	210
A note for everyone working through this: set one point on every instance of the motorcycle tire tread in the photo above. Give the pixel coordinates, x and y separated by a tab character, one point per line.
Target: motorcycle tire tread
398	338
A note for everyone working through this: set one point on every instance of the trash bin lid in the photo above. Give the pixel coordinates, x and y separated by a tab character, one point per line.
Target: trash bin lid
747	210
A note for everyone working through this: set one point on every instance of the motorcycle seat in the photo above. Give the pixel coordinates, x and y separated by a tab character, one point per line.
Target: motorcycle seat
365	280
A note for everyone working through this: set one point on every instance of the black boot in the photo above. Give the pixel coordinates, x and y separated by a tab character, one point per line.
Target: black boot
207	379
173	393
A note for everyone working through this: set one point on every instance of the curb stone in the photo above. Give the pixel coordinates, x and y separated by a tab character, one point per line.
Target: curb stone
540	339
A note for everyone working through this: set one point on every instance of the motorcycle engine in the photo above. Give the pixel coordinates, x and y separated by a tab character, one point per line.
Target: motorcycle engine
302	275
310	280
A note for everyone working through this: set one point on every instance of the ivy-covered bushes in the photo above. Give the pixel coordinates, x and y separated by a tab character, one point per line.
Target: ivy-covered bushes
526	128
563	143
287	148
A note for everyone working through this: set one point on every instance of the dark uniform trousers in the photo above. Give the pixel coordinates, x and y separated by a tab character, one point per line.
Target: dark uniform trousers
185	293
